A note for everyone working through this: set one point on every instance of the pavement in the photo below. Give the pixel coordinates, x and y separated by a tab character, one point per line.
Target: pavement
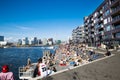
106	69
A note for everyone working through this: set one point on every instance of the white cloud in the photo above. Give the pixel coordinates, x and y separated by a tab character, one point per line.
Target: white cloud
10	39
23	28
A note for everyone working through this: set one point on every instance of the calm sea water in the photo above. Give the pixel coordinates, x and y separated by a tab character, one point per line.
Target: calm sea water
16	57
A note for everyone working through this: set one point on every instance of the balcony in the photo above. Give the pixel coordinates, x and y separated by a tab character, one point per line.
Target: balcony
116	29
101	25
116	19
92	24
92	35
92	30
101	18
86	24
101	33
86	32
113	2
101	12
115	10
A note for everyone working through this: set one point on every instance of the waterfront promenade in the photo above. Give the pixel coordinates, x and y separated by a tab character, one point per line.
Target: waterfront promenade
106	69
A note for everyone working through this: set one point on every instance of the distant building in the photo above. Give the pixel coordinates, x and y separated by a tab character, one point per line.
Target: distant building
78	35
19	42
2	42
39	41
58	42
25	41
30	41
1	38
50	41
35	41
45	42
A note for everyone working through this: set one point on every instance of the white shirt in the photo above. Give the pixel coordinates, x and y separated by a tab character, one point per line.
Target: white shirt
43	69
6	76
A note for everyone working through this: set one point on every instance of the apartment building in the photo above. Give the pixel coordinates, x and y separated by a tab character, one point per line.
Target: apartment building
78	35
103	25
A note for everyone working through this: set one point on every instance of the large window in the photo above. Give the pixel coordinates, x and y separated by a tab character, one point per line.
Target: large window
105	21
108	28
109	19
107	12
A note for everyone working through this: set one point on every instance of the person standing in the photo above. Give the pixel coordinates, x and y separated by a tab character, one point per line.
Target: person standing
5	74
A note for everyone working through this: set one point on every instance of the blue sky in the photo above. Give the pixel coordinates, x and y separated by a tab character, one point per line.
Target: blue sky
43	18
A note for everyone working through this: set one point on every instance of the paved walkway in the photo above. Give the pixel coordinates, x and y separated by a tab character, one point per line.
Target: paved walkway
107	69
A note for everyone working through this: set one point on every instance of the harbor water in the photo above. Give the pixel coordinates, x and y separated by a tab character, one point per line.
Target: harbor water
16	57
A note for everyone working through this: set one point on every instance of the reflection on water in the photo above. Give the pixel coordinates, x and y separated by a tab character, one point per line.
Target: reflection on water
16	57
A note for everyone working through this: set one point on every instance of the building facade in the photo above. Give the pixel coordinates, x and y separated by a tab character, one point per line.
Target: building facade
25	41
2	42
78	35
103	25
1	38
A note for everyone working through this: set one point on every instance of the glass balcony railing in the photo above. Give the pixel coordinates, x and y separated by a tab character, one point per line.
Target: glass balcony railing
113	1
118	26
116	29
117	9
116	18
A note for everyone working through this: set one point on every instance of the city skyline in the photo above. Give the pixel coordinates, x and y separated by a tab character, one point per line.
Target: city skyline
43	18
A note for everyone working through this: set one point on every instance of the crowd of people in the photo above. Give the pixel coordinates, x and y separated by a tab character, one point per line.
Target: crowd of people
74	55
65	55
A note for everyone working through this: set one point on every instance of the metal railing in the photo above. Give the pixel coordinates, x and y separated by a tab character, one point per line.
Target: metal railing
25	74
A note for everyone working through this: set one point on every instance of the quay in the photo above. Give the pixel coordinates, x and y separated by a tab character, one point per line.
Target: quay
99	69
105	69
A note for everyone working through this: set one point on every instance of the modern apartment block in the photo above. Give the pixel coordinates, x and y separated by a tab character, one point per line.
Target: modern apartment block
78	35
103	25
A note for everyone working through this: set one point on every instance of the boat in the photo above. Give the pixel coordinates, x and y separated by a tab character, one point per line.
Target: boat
5	47
50	47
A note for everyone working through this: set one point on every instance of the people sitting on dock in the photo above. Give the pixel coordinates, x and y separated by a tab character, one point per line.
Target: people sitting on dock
62	62
73	63
108	53
5	74
54	69
51	70
44	60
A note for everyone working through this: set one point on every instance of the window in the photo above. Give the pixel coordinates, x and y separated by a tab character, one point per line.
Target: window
96	26
105	21
107	12
95	14
109	19
118	35
108	28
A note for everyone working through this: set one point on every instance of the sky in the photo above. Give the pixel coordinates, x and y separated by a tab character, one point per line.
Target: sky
43	18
